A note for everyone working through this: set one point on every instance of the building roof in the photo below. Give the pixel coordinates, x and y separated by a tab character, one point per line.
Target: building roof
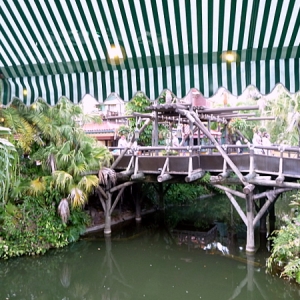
51	49
104	127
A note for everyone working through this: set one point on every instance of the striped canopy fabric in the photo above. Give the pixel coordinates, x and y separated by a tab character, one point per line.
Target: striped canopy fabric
50	49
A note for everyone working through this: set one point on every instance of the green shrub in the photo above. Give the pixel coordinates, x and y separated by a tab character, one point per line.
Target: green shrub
286	248
33	227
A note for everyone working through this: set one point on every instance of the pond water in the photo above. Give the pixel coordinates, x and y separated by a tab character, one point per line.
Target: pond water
143	261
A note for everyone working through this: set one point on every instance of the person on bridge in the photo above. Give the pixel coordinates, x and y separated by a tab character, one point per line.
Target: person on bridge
239	143
256	141
186	135
122	143
175	141
266	142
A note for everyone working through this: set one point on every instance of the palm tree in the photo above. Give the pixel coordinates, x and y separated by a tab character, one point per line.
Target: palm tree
69	154
285	108
24	134
66	154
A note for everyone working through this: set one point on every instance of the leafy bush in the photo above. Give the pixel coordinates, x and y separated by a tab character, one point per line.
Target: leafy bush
34	227
286	248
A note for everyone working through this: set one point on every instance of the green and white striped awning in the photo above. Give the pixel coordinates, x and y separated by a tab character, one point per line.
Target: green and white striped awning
54	48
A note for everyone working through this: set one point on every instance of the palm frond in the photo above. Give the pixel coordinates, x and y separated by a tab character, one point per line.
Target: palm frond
63	180
103	155
4	130
63	210
88	182
64	154
107	177
7	144
77	197
37	186
76	168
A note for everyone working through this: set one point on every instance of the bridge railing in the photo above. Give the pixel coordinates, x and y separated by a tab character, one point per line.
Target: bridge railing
165	150
275	150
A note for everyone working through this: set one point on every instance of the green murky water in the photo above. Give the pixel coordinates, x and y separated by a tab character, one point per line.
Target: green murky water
142	262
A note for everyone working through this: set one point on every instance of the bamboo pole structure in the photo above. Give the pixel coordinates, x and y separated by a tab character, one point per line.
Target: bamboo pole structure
271	196
195	116
107	225
100	189
164	177
115	163
117	199
259	180
107	205
280	178
237	207
231	191
250	245
191	116
120	186
226	109
194	176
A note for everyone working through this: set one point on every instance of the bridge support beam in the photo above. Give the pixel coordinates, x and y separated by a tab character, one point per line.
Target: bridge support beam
108	206
250	245
194	176
107	226
137	200
138	176
248	218
164	177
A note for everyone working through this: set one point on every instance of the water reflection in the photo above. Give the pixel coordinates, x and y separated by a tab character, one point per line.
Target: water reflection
65	277
140	262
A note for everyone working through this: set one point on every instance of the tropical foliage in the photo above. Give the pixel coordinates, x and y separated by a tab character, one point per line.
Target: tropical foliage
285	108
8	163
139	104
58	167
33	226
242	128
280	105
286	246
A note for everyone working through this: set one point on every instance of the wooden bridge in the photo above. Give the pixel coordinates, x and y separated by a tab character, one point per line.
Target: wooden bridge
264	172
187	164
263	176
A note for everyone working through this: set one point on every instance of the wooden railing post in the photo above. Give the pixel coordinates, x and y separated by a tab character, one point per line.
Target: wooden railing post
280	178
251	159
